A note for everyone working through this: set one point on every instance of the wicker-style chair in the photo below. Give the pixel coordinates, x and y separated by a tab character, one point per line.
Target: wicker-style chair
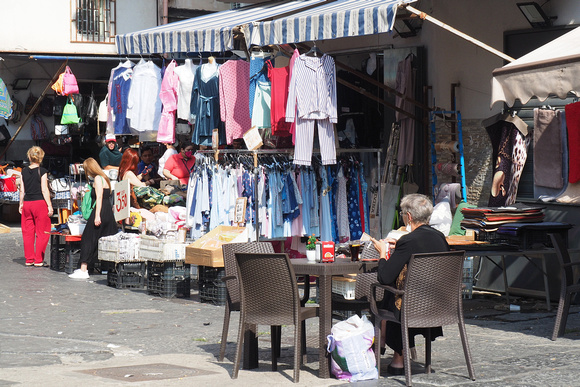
432	297
567	285
231	280
269	296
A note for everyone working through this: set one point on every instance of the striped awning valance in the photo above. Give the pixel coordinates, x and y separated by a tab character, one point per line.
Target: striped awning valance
209	33
342	18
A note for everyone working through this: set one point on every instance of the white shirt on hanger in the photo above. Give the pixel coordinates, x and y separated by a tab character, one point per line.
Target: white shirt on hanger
186	74
144	104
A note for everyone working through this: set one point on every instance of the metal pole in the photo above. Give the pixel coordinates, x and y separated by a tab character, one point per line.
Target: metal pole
424	16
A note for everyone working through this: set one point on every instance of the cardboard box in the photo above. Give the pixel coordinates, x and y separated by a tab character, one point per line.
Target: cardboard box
207	250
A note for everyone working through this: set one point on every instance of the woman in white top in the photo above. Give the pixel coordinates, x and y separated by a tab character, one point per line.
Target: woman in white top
170	151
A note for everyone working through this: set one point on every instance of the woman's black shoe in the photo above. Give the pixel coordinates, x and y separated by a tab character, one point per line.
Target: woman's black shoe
395	370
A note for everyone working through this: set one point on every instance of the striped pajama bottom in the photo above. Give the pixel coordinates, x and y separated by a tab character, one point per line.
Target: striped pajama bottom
304	141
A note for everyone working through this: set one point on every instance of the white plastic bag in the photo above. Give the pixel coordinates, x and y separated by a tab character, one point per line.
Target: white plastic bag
350	345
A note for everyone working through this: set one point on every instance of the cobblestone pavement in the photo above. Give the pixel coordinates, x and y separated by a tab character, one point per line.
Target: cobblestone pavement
55	331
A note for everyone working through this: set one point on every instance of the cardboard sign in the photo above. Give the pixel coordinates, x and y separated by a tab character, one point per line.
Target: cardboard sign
215	139
240	210
121	204
253	139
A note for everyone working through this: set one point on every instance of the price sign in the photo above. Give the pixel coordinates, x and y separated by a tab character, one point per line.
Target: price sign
121	203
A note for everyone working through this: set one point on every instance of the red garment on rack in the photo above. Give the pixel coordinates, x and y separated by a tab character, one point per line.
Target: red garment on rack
573	123
280	80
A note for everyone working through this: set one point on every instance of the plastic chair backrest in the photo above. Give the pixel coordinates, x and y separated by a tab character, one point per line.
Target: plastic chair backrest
433	289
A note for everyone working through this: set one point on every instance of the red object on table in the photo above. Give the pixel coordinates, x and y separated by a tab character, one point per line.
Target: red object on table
327	251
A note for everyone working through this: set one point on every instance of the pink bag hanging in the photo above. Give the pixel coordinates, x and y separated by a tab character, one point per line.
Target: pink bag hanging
69	81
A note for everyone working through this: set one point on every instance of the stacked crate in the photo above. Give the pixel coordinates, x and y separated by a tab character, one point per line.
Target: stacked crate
167	273
467	277
211	287
127	269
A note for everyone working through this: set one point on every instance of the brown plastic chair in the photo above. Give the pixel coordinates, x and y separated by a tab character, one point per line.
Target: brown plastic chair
231	280
567	286
269	296
432	297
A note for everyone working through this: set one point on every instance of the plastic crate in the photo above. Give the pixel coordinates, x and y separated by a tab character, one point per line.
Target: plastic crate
120	248
467	277
211	274
169	288
211	288
72	260
212	293
153	249
169	279
57	258
127	275
344	286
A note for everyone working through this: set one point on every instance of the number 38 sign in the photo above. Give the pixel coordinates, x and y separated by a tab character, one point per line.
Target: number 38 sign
121	204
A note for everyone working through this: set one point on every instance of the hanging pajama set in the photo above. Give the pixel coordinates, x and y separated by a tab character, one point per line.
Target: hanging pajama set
312	98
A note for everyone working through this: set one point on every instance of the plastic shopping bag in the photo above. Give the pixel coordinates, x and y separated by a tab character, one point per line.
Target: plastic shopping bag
350	345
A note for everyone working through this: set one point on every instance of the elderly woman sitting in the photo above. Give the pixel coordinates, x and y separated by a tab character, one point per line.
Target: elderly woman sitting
416	211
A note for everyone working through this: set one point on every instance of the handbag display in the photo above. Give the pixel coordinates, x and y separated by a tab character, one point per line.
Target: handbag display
69	83
69	114
58	85
38	129
60	185
61	130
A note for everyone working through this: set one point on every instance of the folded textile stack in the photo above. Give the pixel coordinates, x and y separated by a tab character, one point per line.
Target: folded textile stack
489	219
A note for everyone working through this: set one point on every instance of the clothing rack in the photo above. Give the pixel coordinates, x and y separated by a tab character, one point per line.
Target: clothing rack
290	152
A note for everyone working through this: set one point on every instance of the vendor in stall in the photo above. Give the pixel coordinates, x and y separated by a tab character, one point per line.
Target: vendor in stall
128	169
180	165
110	156
147	167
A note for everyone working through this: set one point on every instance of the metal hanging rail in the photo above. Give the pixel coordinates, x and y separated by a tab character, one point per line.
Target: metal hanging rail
291	152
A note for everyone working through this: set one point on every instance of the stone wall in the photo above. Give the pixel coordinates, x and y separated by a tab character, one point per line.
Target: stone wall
477	157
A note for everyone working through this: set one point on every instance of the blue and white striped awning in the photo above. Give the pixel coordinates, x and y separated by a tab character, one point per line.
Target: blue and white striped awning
339	19
209	33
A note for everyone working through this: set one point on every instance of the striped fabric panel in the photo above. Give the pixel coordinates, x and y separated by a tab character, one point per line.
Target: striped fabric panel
208	33
339	19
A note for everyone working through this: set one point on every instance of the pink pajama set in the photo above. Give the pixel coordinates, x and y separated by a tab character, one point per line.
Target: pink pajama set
312	98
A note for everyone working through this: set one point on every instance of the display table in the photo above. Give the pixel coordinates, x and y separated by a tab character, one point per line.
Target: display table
64	252
324	271
528	250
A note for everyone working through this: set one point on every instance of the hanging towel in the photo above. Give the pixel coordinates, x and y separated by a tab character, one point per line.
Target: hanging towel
547	148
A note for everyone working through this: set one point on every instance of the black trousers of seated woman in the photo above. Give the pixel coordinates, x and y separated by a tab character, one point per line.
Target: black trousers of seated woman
393	335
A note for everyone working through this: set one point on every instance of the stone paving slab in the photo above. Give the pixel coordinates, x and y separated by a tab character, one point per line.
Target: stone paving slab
58	332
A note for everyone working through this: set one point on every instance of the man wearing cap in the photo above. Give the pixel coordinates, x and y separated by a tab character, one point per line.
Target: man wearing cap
110	156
